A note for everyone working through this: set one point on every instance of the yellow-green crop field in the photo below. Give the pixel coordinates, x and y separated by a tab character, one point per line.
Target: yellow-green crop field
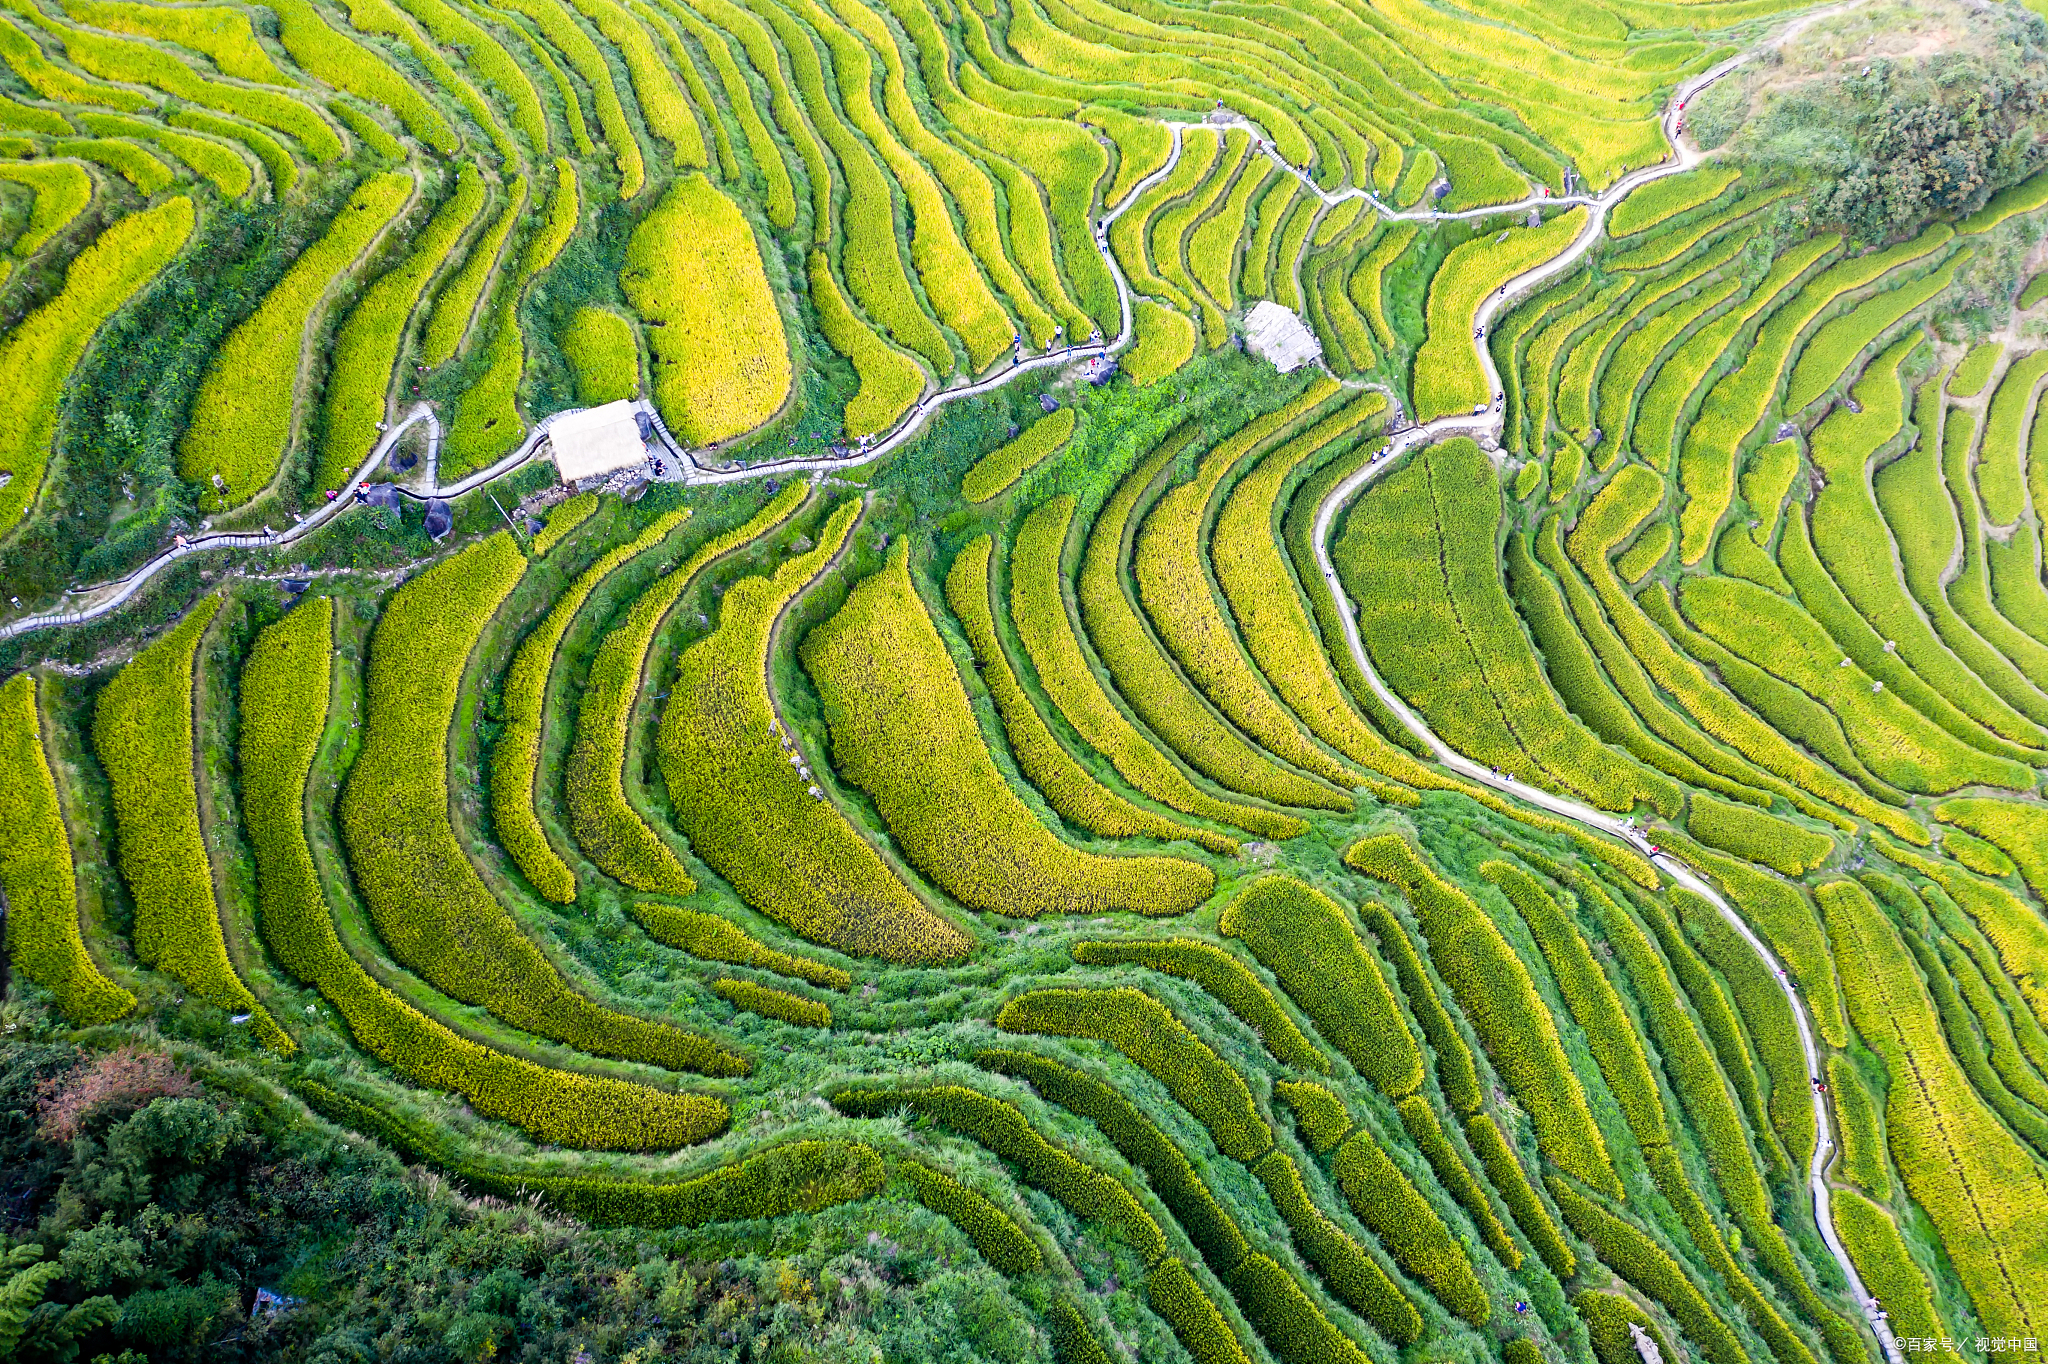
1048	682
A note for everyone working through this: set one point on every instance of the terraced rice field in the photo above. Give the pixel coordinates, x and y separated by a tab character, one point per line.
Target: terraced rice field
1021	832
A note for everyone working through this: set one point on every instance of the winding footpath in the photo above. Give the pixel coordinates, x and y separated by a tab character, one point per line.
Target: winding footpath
1489	426
101	599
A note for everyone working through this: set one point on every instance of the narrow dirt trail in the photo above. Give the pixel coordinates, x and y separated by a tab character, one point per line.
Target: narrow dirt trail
105	598
93	602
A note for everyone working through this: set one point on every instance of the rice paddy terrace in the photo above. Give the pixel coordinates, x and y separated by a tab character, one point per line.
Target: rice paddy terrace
1522	840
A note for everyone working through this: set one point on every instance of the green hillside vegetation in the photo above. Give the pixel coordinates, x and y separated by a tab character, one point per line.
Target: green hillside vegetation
981	819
